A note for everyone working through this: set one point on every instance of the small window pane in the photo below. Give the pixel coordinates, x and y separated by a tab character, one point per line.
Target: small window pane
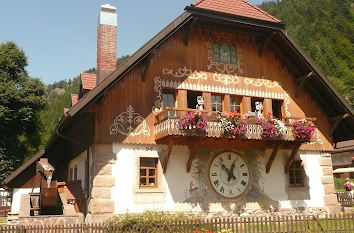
235	104
143	181
224	53
216	53
143	172
151	172
233	54
148	162
152	181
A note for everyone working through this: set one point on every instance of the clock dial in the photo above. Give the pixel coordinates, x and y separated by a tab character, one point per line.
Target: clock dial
229	174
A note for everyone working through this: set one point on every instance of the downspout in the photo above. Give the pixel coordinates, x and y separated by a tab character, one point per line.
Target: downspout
87	165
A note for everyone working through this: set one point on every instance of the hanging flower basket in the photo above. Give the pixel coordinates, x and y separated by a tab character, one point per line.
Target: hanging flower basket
303	130
193	122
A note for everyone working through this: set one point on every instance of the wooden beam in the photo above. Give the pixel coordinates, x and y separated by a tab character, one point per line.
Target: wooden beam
301	82
336	121
292	157
265	43
272	157
188	30
192	149
167	155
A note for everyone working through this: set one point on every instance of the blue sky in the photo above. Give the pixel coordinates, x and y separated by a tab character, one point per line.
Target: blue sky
59	37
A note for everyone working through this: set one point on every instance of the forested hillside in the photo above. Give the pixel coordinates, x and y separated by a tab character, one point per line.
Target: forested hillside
325	30
59	97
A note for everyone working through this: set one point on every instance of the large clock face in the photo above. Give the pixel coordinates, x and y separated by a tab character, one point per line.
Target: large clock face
229	174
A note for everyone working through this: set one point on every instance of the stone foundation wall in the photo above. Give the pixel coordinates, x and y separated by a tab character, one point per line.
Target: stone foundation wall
330	198
49	220
101	206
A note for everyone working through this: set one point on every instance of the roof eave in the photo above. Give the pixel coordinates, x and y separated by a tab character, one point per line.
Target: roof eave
197	11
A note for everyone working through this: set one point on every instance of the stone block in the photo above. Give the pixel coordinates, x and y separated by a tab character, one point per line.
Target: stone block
103	147
325	161
327	171
330	200
102	169
97	218
105	158
103	181
327	180
101	193
329	189
101	206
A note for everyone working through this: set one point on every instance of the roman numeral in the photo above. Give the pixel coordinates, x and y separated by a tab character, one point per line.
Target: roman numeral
229	156
238	189
216	183
230	192
221	159
242	165
243	183
222	189
214	174
244	174
216	165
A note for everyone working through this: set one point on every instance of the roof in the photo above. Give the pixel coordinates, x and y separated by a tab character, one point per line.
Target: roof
88	81
24	166
74	98
236	7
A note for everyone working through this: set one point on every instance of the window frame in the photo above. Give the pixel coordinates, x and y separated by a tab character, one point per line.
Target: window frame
173	92
239	98
147	174
221	104
294	177
232	53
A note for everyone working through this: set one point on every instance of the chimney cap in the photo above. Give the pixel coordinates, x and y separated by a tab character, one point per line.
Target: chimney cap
108	15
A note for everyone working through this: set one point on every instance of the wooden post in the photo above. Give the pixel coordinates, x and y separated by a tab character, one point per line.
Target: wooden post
272	157
267	107
246	104
226	103
181	101
291	157
167	155
207	101
192	149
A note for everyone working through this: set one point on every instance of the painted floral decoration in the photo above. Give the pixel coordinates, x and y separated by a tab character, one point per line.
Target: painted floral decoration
194	121
233	124
303	130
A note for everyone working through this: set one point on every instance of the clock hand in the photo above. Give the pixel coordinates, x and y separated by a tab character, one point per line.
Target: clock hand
230	174
224	167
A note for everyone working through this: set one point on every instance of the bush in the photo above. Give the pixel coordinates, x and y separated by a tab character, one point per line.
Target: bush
152	222
339	184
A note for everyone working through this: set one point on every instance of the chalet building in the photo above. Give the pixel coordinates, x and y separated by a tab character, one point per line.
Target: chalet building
154	133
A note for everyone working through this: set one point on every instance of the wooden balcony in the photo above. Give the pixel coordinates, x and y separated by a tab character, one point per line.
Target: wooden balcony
167	125
168	132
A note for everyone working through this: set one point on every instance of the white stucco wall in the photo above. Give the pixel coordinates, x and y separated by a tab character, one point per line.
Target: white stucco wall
79	161
175	183
16	197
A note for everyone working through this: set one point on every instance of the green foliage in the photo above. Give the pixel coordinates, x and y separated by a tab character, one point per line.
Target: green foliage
21	100
339	184
145	222
122	59
325	30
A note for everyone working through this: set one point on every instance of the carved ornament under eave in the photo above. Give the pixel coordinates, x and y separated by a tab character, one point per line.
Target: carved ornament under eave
259	82
185	72
129	123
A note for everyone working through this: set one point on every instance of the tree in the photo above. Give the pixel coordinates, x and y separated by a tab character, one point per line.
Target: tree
21	100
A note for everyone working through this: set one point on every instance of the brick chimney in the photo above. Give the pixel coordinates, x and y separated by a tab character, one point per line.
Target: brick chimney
106	42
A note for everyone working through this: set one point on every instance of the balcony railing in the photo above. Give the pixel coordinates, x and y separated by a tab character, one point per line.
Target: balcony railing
167	125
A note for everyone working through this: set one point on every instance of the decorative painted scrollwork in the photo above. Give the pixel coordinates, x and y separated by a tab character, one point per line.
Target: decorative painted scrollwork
198	75
286	104
130	123
181	72
158	89
226	78
261	82
224	68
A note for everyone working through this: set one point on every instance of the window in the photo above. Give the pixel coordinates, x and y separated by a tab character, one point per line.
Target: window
148	172
235	104
192	98
296	178
216	103
224	53
276	108
253	103
168	100
75	173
